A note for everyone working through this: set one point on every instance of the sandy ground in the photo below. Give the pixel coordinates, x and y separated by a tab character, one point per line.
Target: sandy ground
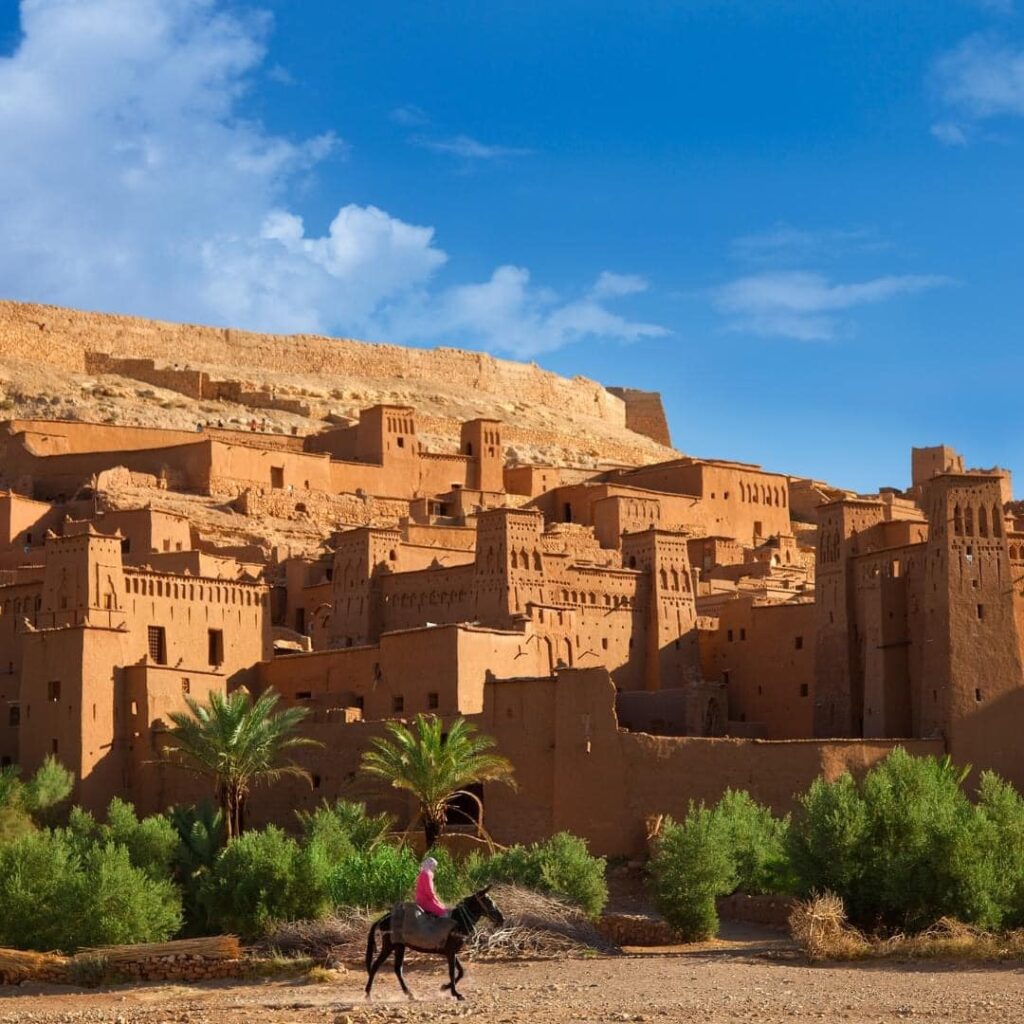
752	975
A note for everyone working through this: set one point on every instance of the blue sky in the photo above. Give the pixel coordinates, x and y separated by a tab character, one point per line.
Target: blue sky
800	221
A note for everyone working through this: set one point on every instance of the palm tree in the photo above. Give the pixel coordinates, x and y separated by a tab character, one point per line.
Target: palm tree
237	742
435	767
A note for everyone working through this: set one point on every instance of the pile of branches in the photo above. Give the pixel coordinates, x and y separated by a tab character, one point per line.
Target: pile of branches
536	926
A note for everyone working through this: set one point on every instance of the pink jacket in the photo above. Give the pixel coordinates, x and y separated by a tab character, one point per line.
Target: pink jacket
426	897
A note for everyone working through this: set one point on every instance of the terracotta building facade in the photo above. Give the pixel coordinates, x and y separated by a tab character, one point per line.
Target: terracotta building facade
633	637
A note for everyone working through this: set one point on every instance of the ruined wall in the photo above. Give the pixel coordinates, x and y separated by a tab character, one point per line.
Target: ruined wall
63	336
645	414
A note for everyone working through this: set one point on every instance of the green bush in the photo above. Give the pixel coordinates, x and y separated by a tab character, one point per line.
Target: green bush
264	877
375	878
906	847
693	863
152	842
757	842
201	836
345	826
40	801
55	897
561	866
1001	837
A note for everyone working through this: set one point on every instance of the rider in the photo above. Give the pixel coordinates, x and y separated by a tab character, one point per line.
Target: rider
426	895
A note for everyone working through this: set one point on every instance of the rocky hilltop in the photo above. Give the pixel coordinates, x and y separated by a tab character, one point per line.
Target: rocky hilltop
62	363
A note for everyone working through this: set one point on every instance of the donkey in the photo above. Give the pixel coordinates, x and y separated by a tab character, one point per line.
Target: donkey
465	917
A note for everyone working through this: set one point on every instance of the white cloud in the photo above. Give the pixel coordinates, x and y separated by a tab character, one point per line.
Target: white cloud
508	314
982	78
410	115
469	148
785	243
129	181
609	285
995	6
949	133
803	305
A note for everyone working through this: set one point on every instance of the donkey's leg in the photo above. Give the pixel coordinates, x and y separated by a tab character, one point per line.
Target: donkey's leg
385	952
399	958
455	972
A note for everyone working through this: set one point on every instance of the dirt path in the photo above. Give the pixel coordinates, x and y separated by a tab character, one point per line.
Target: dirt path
752	976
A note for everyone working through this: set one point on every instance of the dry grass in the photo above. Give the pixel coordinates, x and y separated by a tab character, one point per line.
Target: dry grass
535	926
24	961
213	947
819	924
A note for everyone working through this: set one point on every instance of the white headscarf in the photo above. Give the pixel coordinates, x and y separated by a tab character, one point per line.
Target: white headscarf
429	864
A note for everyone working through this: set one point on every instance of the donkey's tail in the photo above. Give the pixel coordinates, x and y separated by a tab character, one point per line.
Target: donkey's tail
371	943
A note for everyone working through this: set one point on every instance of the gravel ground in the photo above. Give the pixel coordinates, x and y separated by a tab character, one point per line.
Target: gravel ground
750	977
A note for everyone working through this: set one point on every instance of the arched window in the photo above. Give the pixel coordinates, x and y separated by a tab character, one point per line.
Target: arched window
664	579
969	521
513	559
982	522
997	521
958	521
537	566
632	561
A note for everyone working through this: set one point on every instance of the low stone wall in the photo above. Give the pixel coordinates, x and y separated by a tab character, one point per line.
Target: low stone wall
329	510
773	911
90	970
638	930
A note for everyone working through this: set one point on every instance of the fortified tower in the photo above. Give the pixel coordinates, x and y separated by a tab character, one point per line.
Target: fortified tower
672	654
971	682
481	441
71	690
359	559
838	658
509	569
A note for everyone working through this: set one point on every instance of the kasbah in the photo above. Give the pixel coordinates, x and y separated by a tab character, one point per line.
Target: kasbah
636	628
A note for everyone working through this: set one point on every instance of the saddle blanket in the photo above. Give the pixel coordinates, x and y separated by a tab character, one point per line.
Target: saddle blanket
412	926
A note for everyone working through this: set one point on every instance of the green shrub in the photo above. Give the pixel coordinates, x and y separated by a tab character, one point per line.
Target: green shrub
561	866
41	800
152	843
264	877
201	836
904	848
1001	838
55	897
693	863
344	826
375	878
756	841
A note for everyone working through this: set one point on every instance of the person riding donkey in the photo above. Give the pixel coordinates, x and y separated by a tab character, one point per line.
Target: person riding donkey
426	894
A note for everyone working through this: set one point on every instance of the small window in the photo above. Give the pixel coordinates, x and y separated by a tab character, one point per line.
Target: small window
604	643
977	695
316	781
215	645
167	545
360	702
397	704
728	636
277	477
758	528
725	678
433	701
981	611
300	620
803	689
53	691
54	746
400	441
304	695
126	545
186	686
743	634
135	708
798	643
158	644
14	715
